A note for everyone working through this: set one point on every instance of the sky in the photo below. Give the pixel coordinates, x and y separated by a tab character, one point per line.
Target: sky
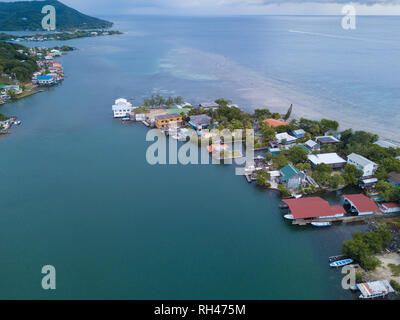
232	7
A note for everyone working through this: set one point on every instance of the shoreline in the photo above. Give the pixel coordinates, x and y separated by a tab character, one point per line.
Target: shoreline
257	90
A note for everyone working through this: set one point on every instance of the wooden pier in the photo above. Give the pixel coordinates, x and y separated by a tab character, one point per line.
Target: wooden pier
347	219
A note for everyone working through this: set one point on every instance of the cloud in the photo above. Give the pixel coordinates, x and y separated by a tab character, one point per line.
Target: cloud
222	7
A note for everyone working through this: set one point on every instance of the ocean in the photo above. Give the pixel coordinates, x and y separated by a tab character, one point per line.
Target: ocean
77	192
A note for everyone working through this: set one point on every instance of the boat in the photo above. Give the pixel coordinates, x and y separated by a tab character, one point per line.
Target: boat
18	122
341	263
298	196
321	224
288	216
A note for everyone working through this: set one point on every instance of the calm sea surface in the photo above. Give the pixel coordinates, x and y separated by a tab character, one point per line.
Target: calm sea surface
76	191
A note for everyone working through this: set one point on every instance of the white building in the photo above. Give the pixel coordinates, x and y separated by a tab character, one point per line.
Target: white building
312	145
365	165
121	108
284	136
56	52
330	159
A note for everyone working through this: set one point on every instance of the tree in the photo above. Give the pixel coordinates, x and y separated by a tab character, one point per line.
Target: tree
303	166
296	154
3	117
288	113
335	181
262	114
223	102
279	161
363	246
387	191
170	101
267	131
178	100
12	94
327	125
285	192
322	173
262	177
352	174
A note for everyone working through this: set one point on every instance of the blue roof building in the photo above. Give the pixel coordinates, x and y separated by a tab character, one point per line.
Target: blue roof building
298	133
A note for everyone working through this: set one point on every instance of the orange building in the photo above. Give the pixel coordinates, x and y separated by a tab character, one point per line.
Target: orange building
163	121
275	123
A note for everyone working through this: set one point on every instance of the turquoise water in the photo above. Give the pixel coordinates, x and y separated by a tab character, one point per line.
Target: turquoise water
77	192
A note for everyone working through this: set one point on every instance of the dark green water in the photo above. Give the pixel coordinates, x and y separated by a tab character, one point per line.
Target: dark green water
76	192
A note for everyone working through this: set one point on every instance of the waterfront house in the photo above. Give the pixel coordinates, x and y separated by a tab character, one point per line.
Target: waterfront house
56	52
327	140
122	108
274	151
284	138
394	179
299	133
274	123
333	133
365	165
13	88
312	145
274	176
199	122
44	80
375	289
368	183
311	208
209	105
360	204
291	177
390	207
164	121
331	159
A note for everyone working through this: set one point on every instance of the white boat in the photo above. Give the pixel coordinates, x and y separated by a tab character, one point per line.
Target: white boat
297	196
321	224
288	216
341	263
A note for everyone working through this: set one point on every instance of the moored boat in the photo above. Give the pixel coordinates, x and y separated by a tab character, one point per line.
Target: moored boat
321	224
341	263
288	216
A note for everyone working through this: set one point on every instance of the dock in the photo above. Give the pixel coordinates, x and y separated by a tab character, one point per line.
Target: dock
347	219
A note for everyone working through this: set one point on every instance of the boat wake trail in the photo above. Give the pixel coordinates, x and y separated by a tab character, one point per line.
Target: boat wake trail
328	35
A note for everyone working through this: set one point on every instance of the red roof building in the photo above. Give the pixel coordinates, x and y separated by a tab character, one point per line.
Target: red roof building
275	123
313	207
361	203
390	207
338	210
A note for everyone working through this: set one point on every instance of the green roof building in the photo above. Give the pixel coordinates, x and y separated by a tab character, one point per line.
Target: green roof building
291	177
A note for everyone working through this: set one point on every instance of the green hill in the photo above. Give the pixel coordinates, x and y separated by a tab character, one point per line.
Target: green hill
14	62
27	15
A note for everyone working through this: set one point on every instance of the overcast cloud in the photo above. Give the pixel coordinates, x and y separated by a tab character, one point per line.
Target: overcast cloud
222	7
